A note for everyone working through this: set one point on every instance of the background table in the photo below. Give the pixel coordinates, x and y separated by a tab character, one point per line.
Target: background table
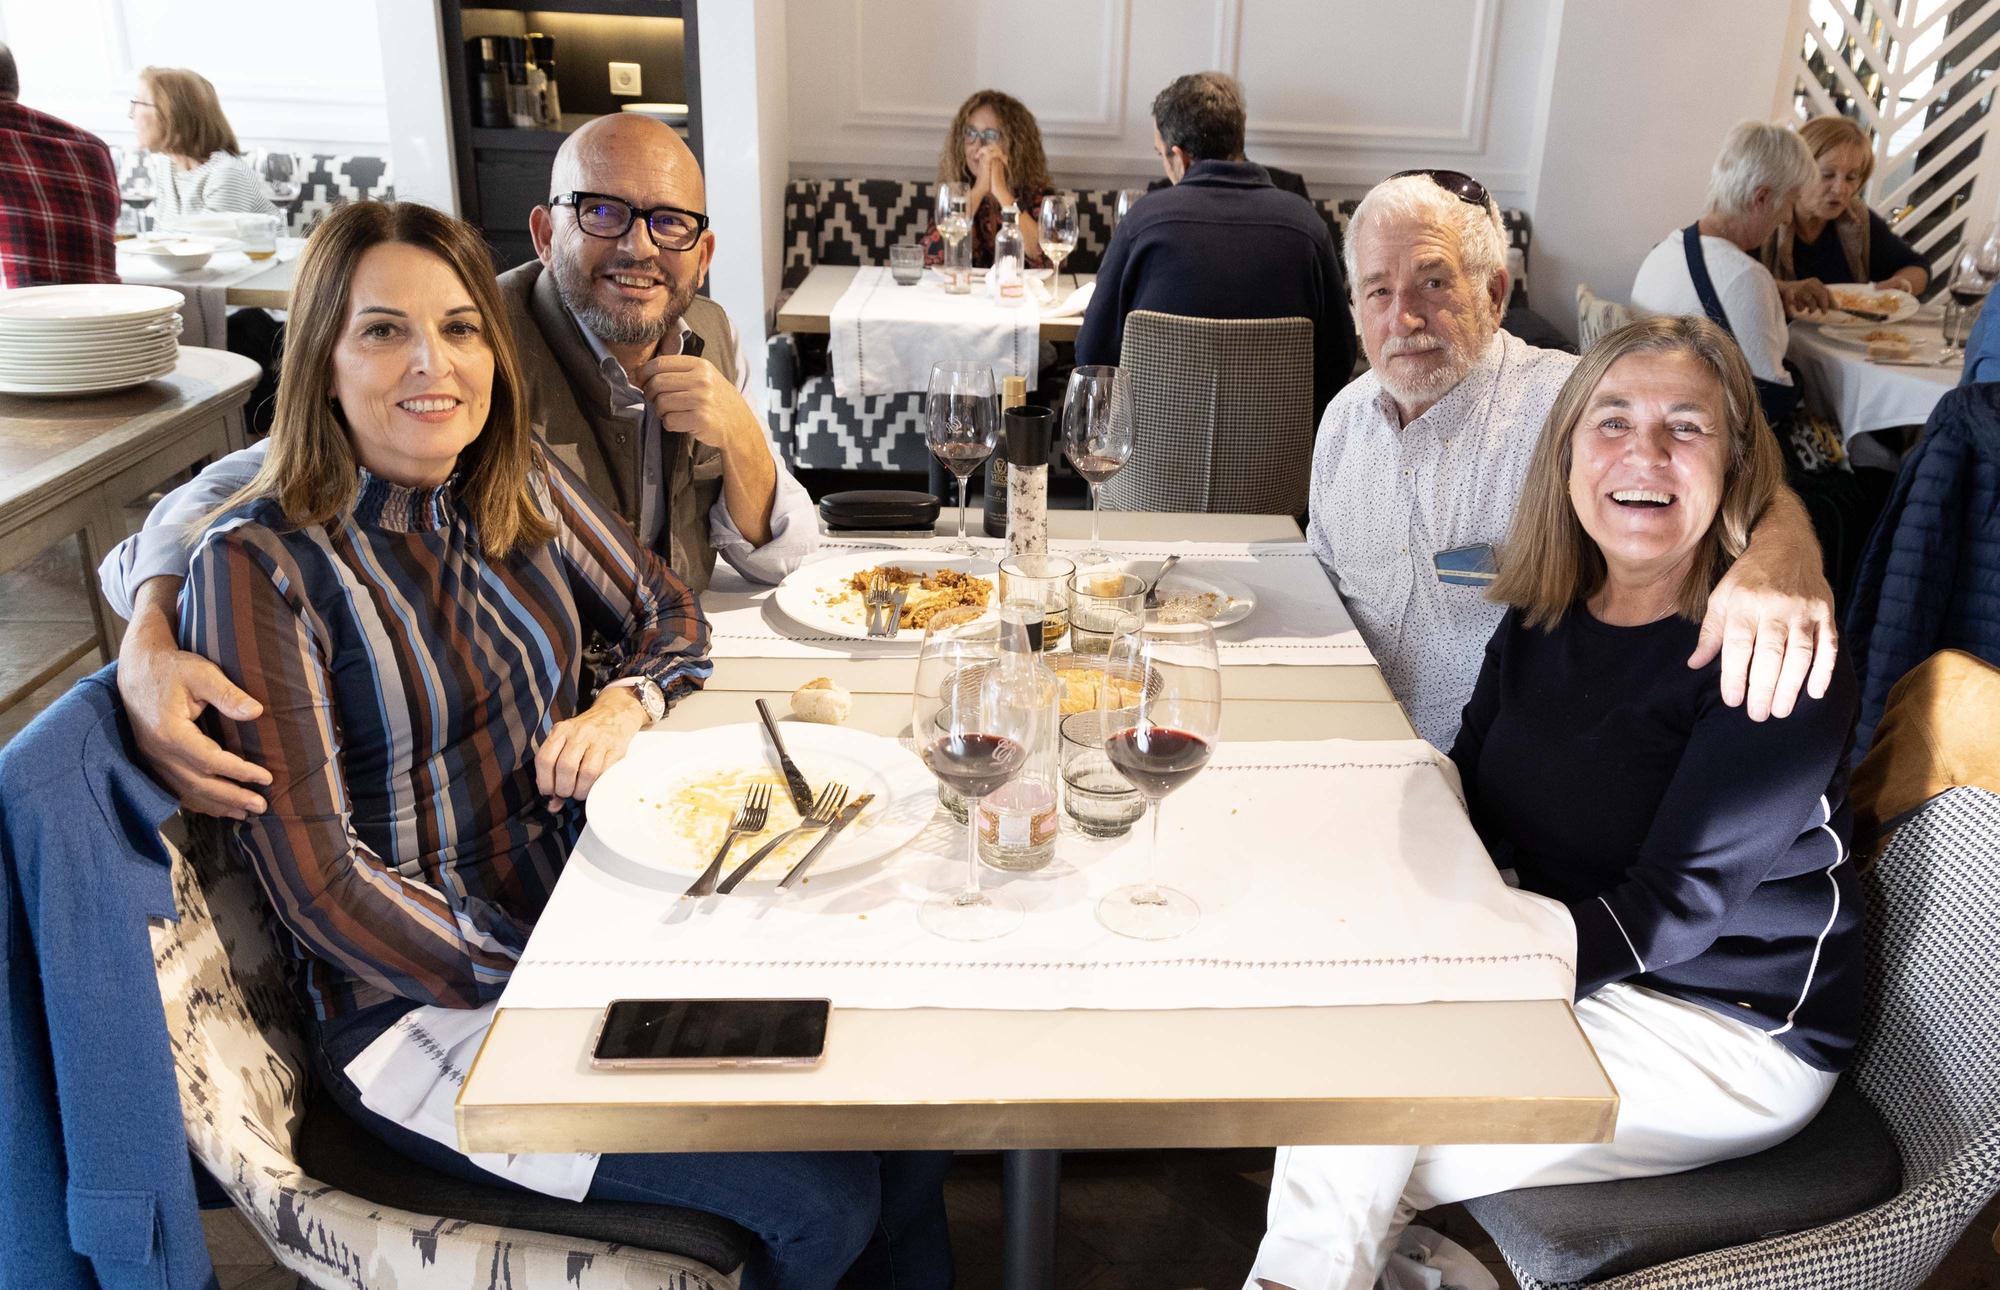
69	465
1862	396
808	310
246	282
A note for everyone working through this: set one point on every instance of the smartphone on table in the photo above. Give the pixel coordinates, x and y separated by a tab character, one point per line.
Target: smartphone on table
657	1033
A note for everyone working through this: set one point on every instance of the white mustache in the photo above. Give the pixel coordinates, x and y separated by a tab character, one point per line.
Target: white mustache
1411	345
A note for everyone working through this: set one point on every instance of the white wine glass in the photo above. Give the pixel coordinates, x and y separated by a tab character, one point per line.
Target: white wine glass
976	722
1059	233
1159	740
283	176
961	426
1097	436
953	217
1127	199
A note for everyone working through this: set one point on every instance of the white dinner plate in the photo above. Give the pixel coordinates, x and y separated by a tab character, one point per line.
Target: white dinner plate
59	360
639	809
816	595
1194	578
34	379
1900	305
91	387
1926	345
96	302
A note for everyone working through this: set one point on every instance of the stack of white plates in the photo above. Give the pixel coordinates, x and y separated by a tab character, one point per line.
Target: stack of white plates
86	339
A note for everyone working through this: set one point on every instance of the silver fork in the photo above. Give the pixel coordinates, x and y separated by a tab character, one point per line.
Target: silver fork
825	807
880	600
750	818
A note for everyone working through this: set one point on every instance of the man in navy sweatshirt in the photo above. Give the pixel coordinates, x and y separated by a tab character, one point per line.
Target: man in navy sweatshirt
1222	242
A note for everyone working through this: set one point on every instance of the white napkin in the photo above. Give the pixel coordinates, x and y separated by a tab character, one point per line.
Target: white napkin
884	337
411	1074
204	316
1073	307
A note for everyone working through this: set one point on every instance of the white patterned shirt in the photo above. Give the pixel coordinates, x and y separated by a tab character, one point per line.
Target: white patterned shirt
1387	497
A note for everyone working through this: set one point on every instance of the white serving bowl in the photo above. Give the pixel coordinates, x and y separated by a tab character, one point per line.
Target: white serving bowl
179	255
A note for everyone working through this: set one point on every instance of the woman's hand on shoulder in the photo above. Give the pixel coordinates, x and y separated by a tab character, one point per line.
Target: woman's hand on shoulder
582	748
1806	296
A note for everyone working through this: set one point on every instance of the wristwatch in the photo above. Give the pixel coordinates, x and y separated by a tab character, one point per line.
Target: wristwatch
648	692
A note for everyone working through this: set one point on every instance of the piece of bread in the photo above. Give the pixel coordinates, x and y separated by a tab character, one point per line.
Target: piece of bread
1892	347
823	701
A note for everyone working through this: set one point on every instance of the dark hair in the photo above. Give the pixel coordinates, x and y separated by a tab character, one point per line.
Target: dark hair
1027	166
10	75
1202	115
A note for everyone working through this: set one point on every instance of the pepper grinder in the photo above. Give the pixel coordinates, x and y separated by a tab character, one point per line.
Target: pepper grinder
1028	480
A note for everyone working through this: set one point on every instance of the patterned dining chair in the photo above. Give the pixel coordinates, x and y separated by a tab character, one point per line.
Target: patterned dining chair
334	1206
1596	316
1223	410
1826	1209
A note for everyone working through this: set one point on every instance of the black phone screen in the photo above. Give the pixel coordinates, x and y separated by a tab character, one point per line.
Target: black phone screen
712	1030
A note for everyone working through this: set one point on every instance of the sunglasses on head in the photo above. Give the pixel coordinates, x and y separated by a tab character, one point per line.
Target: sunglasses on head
1456	182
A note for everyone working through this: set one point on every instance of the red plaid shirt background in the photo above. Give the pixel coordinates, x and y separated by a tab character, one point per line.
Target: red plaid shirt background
58	201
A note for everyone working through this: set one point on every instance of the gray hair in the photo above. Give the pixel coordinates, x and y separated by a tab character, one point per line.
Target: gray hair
1482	238
1202	114
1758	155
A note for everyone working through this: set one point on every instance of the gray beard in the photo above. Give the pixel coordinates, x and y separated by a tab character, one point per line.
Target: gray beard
626	324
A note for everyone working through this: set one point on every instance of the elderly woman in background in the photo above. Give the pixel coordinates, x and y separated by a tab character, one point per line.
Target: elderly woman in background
1708	268
1832	236
995	147
1701	855
197	165
408	585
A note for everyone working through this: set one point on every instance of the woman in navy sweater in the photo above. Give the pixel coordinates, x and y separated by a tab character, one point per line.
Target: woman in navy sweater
1701	855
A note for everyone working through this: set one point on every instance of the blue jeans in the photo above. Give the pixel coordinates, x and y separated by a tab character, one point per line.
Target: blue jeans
876	1217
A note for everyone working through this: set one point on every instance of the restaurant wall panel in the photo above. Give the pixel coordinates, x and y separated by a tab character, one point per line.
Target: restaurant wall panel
291	73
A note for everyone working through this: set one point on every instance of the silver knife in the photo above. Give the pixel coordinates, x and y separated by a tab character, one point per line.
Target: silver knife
846	817
795	783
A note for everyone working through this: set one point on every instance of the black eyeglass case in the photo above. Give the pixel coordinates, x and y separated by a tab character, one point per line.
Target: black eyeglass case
874	510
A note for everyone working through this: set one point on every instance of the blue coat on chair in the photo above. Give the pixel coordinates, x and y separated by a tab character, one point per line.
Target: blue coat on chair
95	1186
1930	578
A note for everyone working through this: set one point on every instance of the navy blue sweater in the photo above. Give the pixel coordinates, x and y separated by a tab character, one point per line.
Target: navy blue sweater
1224	243
1700	853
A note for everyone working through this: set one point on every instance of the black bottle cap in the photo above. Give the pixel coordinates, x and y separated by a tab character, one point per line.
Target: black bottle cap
1028	435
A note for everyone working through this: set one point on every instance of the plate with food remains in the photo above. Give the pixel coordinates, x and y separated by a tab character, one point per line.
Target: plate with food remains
1894	345
664	809
827	594
1858	302
1193	589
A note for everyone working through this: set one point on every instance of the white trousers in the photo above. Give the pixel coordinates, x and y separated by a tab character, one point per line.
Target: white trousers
1694	1087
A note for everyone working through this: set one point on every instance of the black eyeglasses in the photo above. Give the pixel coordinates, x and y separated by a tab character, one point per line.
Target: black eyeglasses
977	136
1456	182
602	215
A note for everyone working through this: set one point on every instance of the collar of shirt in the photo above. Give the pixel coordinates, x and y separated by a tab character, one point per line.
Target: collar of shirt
1227	174
626	396
1451	413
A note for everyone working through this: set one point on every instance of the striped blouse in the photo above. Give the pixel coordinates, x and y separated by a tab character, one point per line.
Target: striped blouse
407	681
222	184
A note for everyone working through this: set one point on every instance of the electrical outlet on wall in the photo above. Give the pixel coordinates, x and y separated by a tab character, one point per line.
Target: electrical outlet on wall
625	79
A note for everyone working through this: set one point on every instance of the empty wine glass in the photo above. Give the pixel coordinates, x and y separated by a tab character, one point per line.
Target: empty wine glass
954	223
283	176
1986	258
961	425
1159	740
1097	435
1127	198
1059	232
976	721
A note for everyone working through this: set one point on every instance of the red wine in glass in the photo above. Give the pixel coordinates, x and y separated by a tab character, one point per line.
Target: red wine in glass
1096	469
1157	759
961	459
974	765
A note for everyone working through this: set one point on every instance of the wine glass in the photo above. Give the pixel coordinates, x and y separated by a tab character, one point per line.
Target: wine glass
954	224
1986	259
1127	198
1969	287
137	191
1097	435
976	721
1158	741
961	426
1059	231
283	176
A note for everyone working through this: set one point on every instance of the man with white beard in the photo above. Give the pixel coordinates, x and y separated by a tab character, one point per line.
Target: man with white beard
1420	461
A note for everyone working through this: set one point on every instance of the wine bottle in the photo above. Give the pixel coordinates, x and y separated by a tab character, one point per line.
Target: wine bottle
993	502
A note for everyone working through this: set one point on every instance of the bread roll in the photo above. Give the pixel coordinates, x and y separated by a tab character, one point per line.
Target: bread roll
823	701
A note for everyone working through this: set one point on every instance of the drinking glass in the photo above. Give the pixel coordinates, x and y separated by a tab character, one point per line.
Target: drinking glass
1059	232
1100	600
976	720
283	176
1097	435
906	264
1127	198
259	234
1096	794
1038	585
954	223
961	425
1158	742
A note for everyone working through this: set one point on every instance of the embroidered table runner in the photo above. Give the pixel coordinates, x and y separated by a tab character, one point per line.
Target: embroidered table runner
884	337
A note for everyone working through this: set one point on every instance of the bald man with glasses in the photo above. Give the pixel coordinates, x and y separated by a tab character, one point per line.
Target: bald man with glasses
638	384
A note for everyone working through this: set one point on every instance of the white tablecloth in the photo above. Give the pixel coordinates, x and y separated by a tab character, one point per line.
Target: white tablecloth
884	337
1330	872
1864	396
1299	619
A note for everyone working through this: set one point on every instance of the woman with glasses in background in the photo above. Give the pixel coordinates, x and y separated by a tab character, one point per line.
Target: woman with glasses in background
196	164
994	147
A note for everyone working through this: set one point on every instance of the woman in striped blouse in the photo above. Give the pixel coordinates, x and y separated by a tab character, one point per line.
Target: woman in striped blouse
408	585
196	163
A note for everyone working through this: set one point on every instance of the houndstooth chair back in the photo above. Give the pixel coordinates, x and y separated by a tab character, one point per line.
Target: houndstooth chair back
1222	413
1929	1061
239	1048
